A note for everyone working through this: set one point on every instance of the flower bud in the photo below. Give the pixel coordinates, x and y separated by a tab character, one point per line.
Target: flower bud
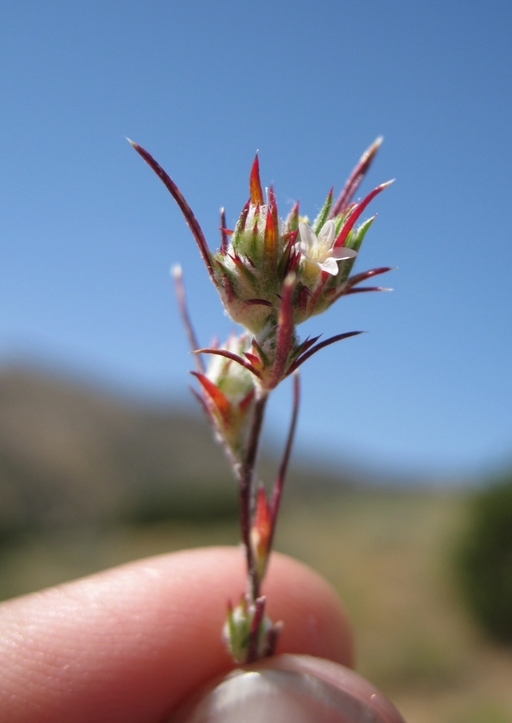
261	533
227	393
248	632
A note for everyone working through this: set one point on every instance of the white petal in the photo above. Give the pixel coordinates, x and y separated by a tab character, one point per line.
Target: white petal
330	266
341	253
307	236
326	234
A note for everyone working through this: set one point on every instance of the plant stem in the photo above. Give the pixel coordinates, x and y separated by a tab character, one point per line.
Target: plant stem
283	468
246	480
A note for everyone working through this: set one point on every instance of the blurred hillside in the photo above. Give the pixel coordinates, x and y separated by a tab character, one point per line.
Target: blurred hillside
92	480
388	554
72	455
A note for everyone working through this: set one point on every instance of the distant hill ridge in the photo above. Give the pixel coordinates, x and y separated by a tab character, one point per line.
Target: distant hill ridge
73	455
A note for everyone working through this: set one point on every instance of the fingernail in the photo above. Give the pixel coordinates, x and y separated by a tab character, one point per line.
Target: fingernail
273	692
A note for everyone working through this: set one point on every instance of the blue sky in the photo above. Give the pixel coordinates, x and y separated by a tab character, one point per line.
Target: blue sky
89	234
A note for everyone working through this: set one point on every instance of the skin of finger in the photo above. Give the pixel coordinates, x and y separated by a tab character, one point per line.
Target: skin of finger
131	643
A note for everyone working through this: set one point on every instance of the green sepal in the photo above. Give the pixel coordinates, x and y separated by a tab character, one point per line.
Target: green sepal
339	221
323	215
236	632
356	236
292	220
238	232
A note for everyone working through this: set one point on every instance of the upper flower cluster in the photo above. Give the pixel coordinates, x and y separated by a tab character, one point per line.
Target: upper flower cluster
255	258
273	274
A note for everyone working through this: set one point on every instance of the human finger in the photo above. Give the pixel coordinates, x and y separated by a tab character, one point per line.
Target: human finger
130	643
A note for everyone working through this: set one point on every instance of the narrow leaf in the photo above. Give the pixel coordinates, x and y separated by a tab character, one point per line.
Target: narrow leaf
218	399
332	340
356	212
356	177
185	209
229	355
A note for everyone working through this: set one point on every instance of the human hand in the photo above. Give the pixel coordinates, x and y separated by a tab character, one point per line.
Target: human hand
131	643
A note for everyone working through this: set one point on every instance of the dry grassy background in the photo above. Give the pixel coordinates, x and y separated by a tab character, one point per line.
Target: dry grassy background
84	478
390	557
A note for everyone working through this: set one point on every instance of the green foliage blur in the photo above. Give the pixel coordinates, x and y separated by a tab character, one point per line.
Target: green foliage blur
485	560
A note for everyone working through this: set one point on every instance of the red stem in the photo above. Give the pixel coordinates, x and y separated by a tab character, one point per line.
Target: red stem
259	612
278	487
246	497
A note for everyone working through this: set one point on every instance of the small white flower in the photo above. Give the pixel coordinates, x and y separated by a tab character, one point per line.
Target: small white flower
319	251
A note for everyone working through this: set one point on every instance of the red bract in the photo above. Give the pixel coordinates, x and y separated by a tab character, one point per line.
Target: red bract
261	532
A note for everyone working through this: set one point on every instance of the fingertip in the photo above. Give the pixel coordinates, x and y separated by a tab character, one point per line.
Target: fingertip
315	621
134	641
